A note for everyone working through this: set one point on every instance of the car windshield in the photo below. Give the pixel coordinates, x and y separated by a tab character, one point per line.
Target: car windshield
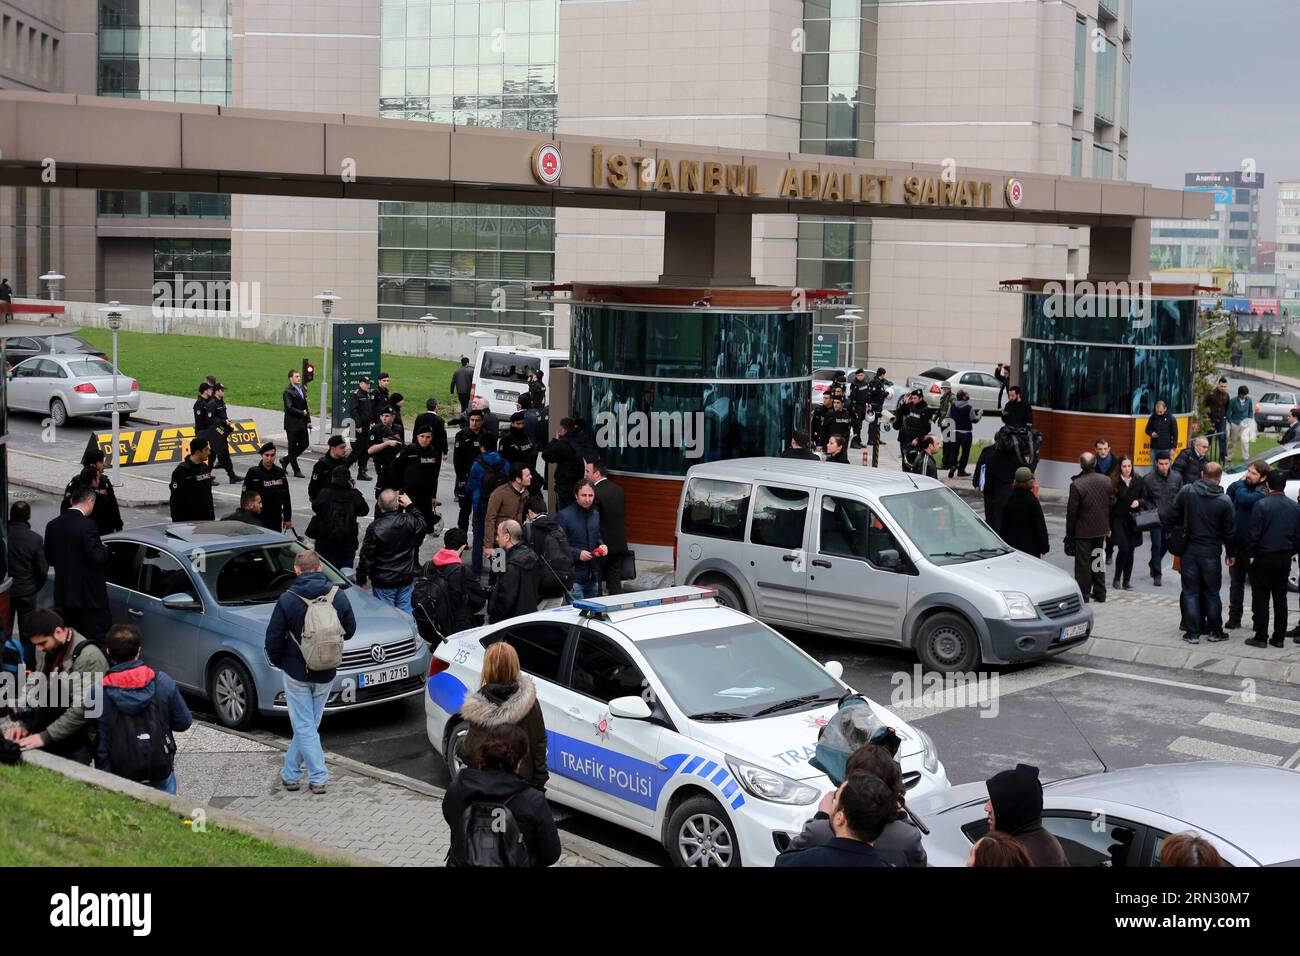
1277	398
509	366
738	672
824	374
937	372
943	526
255	575
90	368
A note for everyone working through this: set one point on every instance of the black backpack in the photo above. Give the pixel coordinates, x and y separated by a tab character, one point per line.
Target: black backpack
492	835
557	560
336	521
433	607
141	746
494	476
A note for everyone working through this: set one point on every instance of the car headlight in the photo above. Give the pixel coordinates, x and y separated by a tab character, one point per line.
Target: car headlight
929	753
771	786
1018	605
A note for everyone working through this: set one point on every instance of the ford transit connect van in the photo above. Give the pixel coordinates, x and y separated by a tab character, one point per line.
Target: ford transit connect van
871	555
501	373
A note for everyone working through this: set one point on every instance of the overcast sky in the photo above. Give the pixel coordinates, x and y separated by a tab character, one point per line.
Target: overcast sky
1211	88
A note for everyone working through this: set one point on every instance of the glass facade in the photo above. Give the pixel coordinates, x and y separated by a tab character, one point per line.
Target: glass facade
1080	62
837	118
477	63
155	205
195	260
1106	63
1103	163
1076	157
628	366
1118	364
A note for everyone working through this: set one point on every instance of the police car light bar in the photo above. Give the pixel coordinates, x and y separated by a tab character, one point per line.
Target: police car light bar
601	607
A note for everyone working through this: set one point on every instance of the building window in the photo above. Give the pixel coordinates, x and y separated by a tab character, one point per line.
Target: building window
1076	157
1105	105
1102	160
196	272
1080	62
1125	88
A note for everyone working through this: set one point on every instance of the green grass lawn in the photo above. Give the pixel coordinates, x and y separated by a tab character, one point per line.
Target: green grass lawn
255	373
1288	363
48	820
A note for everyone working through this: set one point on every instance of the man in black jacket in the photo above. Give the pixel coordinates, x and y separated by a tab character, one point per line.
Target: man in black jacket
249	510
415	471
920	459
469	444
435	421
306	691
572	449
515	592
912	419
335	510
1292	433
335	454
1160	488
819	416
191	485
27	567
799	449
382	444
863	807
462	380
838	422
1272	541
1017	412
107	515
1211	524
1191	460
221	427
612	505
270	481
79	559
297	421
391	548
361	410
995	473
202	416
859	398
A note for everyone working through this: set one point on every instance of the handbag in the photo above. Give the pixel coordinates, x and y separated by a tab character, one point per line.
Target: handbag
627	568
1146	519
1176	537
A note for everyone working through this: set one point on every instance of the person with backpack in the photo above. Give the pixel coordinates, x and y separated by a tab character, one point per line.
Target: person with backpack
549	542
305	637
569	453
496	818
390	550
335	510
486	475
515	590
506	695
140	710
323	469
581	524
71	665
447	597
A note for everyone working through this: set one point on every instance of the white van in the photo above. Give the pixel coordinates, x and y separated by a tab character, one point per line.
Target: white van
501	373
871	555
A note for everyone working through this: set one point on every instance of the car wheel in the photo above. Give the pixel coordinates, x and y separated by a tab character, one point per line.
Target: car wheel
728	596
456	733
233	694
948	643
58	413
701	834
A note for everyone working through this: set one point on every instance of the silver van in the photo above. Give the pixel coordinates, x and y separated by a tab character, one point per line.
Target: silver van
872	555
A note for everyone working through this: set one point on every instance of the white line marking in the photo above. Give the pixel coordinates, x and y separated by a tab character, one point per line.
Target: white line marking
1209	750
941	701
1254	728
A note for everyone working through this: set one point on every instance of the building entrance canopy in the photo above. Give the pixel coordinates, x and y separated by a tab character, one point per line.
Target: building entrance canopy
87	142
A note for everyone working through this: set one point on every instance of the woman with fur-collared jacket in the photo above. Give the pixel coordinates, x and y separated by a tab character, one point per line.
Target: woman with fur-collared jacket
505	696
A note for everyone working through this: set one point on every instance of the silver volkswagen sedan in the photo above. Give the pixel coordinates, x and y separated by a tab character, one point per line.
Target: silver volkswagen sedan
66	386
202	596
1122	818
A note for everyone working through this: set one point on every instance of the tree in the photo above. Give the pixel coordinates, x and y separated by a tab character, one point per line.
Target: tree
1211	353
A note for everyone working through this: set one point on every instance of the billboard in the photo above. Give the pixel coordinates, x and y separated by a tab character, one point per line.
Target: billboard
1222	197
1234	179
1142	441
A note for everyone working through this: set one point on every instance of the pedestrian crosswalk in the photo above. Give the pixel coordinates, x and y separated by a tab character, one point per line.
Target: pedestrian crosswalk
1270	744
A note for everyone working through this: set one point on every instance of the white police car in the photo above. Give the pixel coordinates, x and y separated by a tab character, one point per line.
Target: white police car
673	716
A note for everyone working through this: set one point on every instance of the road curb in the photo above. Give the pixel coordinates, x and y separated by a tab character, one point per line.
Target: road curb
580	846
186	808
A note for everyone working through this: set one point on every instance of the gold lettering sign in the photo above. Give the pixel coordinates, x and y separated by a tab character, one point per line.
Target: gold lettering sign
665	178
790	184
713	177
736	180
617	166
688	176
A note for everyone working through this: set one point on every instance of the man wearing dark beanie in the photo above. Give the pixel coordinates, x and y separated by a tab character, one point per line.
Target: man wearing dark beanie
1015	806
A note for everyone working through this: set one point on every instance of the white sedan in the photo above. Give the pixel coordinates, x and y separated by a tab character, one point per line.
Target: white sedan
672	716
982	386
68	386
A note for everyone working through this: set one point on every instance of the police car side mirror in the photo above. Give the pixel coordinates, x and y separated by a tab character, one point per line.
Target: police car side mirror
181	602
834	668
633	708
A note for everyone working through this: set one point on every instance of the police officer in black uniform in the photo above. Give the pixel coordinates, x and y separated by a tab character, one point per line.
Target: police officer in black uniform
469	443
361	409
336	454
221	427
415	471
838	422
191	486
383	448
819	419
202	419
912	419
877	392
106	514
272	483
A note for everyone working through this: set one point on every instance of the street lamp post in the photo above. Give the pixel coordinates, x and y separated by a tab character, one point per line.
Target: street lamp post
326	300
115	310
51	280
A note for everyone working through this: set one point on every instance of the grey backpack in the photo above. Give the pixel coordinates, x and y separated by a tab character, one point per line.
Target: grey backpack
322	633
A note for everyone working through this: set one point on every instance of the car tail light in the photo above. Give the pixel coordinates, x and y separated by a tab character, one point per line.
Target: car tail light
934	389
472	390
85	389
135	386
1257	408
437	665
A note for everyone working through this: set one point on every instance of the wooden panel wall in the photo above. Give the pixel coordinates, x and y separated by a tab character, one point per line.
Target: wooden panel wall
651	508
1066	437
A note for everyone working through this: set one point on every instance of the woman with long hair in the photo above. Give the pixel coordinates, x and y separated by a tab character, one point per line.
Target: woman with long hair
505	696
1127	491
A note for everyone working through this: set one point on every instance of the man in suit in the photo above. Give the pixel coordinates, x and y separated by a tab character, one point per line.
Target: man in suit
612	505
107	515
297	421
78	556
862	807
